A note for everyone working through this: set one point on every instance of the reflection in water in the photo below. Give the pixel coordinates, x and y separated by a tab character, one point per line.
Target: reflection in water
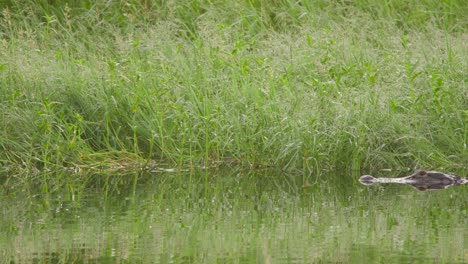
420	180
230	217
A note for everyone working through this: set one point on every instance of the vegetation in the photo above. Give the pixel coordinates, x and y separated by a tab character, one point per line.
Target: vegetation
297	85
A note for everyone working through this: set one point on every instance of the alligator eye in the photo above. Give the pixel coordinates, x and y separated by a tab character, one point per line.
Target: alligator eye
422	173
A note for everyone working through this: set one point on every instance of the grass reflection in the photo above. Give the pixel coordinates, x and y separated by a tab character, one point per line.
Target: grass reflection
231	217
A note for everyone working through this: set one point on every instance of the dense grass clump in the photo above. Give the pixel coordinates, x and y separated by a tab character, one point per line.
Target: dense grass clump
298	85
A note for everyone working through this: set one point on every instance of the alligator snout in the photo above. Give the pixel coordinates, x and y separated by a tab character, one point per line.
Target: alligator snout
367	179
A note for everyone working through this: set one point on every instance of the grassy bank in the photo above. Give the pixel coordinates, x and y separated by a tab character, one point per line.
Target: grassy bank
312	86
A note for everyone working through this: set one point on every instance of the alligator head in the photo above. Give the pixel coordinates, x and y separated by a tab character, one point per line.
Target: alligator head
420	180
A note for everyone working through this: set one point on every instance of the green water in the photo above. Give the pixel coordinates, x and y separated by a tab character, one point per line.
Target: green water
230	217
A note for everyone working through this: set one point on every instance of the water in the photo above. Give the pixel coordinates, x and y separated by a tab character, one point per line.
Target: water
230	217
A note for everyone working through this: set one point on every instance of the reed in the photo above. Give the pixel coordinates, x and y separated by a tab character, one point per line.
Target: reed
309	86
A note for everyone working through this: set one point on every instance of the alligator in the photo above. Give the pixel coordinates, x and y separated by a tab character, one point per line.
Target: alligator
420	180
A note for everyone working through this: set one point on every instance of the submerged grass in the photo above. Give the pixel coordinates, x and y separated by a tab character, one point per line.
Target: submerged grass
309	86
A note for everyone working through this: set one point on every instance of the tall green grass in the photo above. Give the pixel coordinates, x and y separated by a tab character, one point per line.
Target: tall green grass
297	85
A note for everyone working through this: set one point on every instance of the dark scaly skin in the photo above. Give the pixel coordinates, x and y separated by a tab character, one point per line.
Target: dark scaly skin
421	180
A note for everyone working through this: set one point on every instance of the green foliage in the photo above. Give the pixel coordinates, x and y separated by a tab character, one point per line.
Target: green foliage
312	85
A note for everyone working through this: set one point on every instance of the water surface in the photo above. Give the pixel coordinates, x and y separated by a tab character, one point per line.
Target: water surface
230	217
